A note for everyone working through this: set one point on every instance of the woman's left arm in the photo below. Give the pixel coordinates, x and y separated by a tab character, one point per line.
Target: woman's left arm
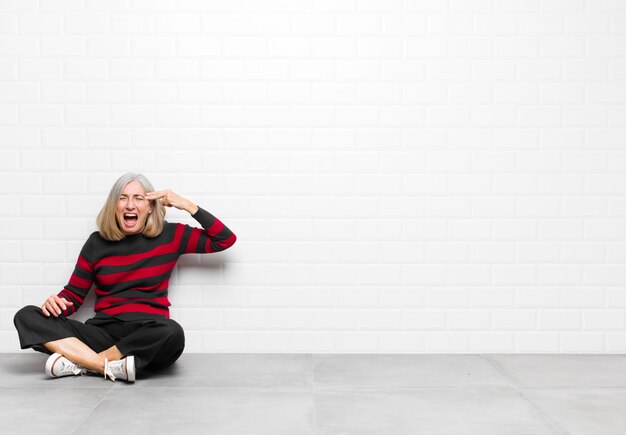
215	237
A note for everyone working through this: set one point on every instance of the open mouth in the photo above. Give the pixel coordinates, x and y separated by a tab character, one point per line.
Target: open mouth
130	219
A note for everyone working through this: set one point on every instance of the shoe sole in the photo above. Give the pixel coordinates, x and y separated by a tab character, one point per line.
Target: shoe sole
130	368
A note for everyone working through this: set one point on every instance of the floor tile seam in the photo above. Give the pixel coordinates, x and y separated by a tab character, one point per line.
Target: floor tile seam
552	424
408	355
399	389
278	389
549	422
88	414
518	384
328	388
501	370
305	388
572	388
46	388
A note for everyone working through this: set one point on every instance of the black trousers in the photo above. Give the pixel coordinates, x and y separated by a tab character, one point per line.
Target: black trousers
155	342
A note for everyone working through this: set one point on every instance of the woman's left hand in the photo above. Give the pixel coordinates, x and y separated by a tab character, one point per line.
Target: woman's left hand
169	198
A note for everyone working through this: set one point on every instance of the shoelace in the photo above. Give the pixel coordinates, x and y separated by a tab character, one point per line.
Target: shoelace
107	370
71	366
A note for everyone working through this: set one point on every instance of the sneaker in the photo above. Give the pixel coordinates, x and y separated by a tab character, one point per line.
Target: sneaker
121	369
58	366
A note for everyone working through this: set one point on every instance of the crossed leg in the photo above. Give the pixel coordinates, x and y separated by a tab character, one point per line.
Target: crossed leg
78	352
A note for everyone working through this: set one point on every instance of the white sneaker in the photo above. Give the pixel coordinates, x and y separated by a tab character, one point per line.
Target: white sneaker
58	366
121	369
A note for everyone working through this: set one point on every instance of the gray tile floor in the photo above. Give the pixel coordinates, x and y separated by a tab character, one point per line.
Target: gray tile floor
326	394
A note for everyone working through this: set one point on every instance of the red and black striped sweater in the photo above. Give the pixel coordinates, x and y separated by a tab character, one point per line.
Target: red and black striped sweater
131	276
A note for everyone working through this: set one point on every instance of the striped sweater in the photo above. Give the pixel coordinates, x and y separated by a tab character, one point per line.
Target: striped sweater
131	276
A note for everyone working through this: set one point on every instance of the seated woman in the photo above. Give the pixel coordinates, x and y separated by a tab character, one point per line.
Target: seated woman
130	260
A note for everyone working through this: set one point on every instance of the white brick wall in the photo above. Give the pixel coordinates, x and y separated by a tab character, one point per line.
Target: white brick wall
403	176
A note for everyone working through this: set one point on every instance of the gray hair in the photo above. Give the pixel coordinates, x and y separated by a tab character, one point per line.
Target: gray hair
107	222
121	182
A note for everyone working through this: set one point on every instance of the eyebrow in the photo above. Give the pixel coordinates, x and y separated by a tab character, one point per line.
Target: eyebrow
136	194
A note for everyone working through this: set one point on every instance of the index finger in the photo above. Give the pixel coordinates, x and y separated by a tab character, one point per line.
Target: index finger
156	194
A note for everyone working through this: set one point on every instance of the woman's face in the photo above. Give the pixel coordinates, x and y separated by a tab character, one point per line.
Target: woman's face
132	208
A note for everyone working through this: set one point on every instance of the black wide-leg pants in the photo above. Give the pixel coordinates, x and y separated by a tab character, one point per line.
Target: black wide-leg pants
155	342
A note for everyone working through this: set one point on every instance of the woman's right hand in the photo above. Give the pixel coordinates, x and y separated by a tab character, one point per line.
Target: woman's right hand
55	305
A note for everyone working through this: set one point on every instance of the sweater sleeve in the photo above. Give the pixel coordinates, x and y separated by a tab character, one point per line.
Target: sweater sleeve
213	237
81	280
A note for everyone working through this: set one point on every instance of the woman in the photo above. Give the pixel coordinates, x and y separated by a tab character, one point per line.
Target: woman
130	260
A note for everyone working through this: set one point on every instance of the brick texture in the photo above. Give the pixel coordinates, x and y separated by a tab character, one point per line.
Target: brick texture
403	176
